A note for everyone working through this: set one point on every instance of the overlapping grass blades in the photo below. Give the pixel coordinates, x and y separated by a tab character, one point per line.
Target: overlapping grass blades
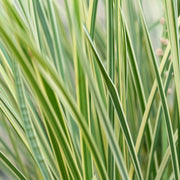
82	93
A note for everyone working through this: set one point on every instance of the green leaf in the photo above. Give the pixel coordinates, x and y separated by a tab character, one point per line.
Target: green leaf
11	166
118	107
162	95
173	31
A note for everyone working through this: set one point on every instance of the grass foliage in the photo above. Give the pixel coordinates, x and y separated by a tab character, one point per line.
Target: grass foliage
83	92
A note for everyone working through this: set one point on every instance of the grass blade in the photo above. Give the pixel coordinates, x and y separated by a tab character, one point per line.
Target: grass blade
162	95
11	166
29	127
173	31
118	106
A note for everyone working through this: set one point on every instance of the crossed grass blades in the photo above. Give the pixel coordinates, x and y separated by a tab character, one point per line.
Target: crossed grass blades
83	92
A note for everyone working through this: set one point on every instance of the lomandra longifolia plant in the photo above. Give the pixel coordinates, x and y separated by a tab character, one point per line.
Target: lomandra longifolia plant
89	89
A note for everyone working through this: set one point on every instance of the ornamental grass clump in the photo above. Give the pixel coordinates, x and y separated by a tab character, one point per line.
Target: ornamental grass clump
89	89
